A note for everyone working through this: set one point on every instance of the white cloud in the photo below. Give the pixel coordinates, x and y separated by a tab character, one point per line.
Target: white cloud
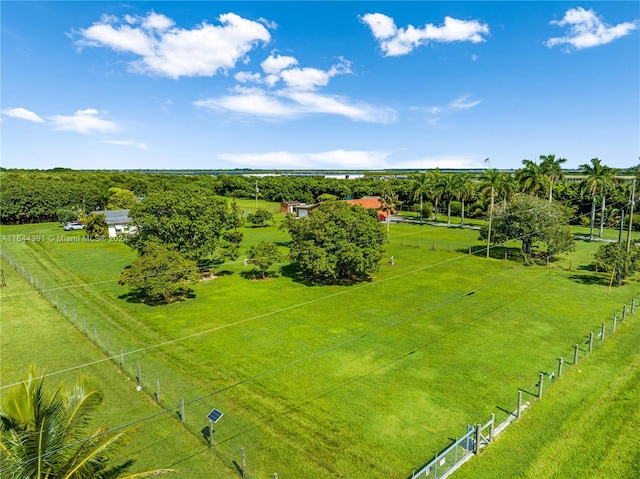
463	103
275	64
586	29
298	96
435	114
324	160
23	114
396	42
83	121
131	143
173	52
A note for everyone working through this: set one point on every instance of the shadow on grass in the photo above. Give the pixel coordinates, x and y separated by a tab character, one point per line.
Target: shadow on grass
256	275
589	279
138	297
293	272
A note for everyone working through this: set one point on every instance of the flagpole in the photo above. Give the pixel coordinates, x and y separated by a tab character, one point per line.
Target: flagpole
256	194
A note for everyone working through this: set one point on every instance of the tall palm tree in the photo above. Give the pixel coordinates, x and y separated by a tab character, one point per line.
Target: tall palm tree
420	186
42	434
552	167
446	189
390	201
599	179
532	178
463	191
435	177
503	184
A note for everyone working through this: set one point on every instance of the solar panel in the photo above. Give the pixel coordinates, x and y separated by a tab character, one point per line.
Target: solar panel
215	415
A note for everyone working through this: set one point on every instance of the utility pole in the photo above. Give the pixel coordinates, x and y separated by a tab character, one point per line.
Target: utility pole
633	194
257	194
490	218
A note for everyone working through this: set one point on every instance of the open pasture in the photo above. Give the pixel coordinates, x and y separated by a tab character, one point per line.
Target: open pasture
365	380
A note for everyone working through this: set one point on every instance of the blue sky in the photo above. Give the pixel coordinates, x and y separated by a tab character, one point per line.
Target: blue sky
352	85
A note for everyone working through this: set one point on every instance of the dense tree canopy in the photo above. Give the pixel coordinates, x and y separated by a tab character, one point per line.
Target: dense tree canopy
338	242
527	218
160	274
189	221
618	261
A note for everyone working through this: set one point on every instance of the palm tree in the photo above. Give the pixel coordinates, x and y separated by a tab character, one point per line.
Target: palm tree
390	201
42	434
420	187
599	179
463	191
531	178
446	189
553	169
503	184
435	177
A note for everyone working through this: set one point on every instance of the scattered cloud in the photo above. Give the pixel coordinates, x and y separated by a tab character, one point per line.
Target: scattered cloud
167	50
435	114
396	41
345	159
585	29
83	121
285	90
23	114
131	143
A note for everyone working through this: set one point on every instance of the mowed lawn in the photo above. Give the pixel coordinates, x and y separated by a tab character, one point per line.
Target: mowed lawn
33	333
368	380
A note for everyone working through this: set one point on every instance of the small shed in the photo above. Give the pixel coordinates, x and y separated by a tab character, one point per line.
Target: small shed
303	210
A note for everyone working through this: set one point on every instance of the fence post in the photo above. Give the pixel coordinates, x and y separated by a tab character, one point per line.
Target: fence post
244	462
575	354
570	265
591	341
418	244
434	246
121	360
182	416
602	330
615	320
624	312
540	385
139	375
469	249
478	436
519	404
158	390
491	429
633	305
560	362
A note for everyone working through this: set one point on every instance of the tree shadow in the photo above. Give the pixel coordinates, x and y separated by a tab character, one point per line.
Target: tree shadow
293	272
589	279
255	274
138	297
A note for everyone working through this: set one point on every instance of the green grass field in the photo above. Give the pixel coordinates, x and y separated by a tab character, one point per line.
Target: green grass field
367	380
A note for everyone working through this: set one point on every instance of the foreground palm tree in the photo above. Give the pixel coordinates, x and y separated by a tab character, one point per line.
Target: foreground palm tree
42	435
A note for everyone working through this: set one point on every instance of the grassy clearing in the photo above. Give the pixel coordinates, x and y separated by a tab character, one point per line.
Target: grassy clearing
585	425
340	381
34	333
